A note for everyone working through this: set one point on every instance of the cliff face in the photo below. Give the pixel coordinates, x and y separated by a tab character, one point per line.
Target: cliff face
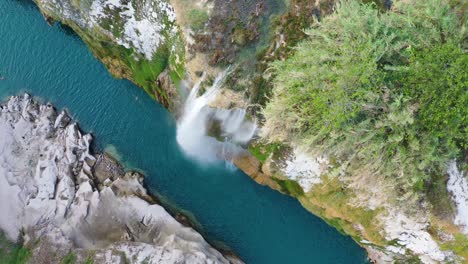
249	35
65	202
136	40
390	227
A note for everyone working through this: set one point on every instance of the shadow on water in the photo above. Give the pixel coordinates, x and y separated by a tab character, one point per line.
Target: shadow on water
67	30
27	3
64	28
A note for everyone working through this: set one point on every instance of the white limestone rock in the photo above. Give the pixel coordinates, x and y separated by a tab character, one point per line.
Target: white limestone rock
47	191
141	25
410	233
304	169
457	185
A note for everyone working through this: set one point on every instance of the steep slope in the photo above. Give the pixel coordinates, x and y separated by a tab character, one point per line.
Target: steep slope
136	40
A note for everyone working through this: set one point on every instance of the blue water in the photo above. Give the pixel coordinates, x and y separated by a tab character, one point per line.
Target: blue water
259	224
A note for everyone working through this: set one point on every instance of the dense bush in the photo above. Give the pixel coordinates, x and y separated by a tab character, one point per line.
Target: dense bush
382	90
437	81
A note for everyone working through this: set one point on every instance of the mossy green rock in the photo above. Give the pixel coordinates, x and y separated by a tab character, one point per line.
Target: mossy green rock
136	40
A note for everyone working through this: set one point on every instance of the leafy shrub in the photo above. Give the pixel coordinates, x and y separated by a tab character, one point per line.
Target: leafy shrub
437	82
383	91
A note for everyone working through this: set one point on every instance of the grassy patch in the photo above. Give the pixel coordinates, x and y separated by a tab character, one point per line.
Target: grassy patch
69	259
290	187
330	201
459	246
89	260
12	253
262	152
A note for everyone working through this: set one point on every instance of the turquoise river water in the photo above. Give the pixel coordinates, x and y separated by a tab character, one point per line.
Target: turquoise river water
259	224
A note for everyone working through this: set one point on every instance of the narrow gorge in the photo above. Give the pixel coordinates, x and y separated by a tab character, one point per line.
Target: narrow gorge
356	109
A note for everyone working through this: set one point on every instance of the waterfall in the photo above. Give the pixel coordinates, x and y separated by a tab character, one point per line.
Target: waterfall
235	131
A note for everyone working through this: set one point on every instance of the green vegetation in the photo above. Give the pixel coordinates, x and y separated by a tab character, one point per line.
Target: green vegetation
384	91
127	63
70	258
439	197
459	245
89	260
411	260
123	258
330	201
262	152
12	253
286	26
290	187
197	18
437	81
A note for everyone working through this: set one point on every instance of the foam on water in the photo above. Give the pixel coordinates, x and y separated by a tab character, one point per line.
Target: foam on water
192	128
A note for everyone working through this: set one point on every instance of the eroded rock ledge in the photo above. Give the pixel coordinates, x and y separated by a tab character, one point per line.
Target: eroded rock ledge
60	199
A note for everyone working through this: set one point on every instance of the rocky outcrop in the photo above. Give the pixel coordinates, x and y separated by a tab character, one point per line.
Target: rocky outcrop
367	208
136	40
60	199
141	26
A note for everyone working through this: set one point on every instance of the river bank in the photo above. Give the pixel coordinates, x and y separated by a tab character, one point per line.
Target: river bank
269	164
64	202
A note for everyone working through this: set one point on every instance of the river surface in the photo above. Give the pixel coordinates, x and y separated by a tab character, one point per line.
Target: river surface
259	224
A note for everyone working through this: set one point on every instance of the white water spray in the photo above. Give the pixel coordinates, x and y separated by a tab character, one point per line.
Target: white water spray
192	128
